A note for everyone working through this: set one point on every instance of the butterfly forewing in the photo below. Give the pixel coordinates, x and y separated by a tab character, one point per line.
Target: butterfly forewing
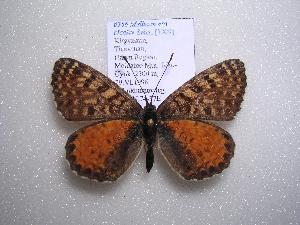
214	94
105	150
194	149
83	93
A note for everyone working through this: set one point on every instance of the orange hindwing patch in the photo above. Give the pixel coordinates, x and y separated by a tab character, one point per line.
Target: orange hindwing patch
195	149
102	151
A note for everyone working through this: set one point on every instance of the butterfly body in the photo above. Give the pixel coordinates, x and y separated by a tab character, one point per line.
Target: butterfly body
104	150
149	124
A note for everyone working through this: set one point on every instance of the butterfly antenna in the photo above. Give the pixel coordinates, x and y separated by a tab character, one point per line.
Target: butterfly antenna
126	60
161	77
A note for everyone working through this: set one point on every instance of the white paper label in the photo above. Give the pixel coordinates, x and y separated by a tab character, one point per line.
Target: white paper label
148	45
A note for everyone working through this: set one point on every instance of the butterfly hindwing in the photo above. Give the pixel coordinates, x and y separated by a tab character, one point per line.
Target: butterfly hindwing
214	94
195	149
104	151
83	93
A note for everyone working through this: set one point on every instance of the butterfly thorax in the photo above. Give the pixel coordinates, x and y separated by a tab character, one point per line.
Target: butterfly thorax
149	124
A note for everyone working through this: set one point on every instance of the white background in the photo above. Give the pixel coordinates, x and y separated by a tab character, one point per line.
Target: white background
260	187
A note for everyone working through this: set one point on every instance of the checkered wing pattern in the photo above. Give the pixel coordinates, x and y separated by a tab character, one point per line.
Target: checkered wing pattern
83	93
214	94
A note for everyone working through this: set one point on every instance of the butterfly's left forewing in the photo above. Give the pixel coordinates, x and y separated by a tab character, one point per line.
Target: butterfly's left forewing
105	150
83	93
195	149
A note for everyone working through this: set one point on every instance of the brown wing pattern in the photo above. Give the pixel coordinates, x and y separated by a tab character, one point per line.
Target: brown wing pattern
214	94
105	150
83	93
194	149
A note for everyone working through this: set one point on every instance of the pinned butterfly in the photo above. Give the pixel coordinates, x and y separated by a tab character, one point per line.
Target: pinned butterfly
104	150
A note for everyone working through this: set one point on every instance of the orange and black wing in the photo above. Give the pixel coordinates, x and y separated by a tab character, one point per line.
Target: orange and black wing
195	149
83	93
214	94
104	151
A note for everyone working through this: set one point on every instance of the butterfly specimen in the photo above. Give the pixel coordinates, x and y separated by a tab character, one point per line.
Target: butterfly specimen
104	150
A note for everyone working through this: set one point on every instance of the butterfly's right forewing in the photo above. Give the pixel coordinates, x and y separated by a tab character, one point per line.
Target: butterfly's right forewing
214	94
